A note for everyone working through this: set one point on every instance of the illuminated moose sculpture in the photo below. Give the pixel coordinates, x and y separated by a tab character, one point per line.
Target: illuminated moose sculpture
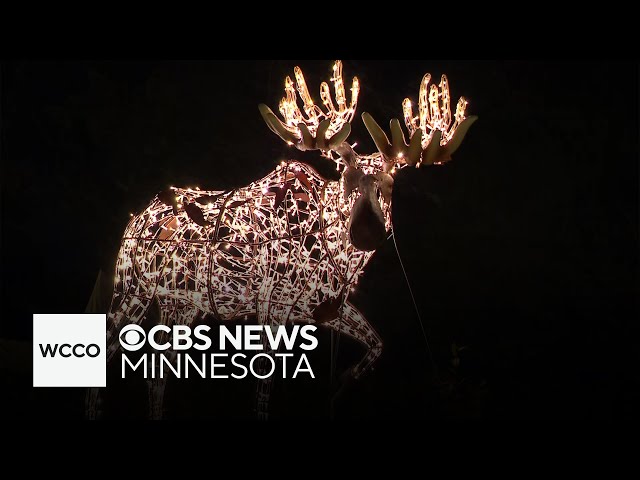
286	248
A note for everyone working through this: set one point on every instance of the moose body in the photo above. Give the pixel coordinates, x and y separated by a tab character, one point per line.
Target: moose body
240	253
286	248
278	249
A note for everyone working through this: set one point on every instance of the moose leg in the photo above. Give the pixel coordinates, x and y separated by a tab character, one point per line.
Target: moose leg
156	384
263	366
263	390
132	309
356	326
171	313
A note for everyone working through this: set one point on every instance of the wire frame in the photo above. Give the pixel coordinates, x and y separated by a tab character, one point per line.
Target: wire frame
278	249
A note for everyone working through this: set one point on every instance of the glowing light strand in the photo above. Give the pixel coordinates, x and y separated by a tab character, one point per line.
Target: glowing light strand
313	114
434	111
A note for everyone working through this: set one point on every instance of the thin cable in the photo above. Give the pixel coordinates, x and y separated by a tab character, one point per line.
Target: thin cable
415	306
334	351
334	359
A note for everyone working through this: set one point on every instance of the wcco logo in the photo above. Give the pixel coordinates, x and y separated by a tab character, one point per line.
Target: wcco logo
69	350
78	350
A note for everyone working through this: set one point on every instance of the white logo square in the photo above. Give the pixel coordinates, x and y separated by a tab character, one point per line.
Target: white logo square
69	350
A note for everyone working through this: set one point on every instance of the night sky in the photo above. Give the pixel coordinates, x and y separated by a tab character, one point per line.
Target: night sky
523	250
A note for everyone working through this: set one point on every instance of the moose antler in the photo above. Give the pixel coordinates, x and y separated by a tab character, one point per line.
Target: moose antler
316	130
433	139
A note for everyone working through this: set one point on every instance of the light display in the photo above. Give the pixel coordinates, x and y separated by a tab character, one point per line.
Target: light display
289	247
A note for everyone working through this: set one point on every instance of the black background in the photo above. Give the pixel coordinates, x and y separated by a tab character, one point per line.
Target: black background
523	249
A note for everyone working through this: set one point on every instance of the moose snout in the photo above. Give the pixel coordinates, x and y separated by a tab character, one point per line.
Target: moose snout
367	228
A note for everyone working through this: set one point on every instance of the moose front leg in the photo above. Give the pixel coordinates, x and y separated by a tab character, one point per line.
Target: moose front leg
130	309
263	365
171	313
356	326
263	388
156	384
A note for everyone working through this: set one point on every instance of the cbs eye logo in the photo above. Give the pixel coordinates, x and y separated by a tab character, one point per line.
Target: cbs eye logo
132	337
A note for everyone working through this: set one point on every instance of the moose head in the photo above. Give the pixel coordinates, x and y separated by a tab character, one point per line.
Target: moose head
367	180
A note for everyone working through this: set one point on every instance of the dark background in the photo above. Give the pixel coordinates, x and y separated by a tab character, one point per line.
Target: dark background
523	250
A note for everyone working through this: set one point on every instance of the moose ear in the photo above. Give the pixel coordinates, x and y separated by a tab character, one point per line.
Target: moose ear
385	184
351	177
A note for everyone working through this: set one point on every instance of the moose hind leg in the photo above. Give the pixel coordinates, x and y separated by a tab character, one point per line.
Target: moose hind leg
356	326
